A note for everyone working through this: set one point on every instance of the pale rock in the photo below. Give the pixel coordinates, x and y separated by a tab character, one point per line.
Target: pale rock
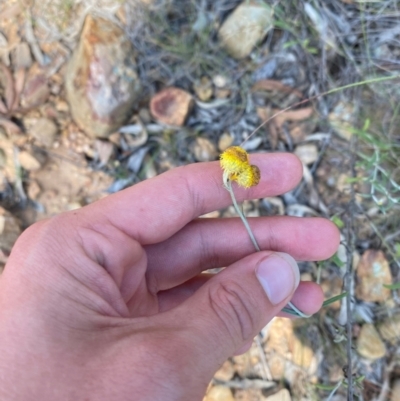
277	366
245	27
36	89
250	394
286	354
281	395
145	116
171	106
149	167
395	393
204	150
342	119
307	153
203	89
222	93
369	343
219	393
33	189
104	150
9	231
373	272
343	183
389	329
101	81
28	161
62	106
225	140
74	205
302	354
44	131
225	372
220	81
22	56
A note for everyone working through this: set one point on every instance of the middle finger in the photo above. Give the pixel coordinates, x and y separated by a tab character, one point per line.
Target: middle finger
209	243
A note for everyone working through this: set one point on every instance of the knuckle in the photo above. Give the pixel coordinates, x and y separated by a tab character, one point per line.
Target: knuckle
235	309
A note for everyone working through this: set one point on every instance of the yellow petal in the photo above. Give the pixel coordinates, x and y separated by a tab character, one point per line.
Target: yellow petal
249	177
234	160
235	163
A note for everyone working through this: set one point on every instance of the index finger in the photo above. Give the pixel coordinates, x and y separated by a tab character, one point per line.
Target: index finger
153	210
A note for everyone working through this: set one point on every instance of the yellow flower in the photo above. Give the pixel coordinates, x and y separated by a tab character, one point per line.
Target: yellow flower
236	166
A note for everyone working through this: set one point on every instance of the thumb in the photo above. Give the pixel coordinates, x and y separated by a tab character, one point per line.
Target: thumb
232	307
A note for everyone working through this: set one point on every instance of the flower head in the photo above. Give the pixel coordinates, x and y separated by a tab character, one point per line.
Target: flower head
236	166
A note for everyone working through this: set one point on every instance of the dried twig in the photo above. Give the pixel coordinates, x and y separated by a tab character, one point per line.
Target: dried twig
349	273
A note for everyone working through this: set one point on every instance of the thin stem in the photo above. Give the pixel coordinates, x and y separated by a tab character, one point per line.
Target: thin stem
228	185
349	276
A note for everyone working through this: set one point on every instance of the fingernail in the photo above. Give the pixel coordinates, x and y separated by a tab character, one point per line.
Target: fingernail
279	275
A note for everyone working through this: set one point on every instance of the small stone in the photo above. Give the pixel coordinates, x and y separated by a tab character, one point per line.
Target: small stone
36	89
204	150
171	106
220	81
373	272
203	89
62	106
44	131
389	329
395	393
225	140
307	153
33	190
74	205
342	119
369	344
225	372
222	93
101	79
245	27
219	393
250	394
28	162
104	150
22	56
302	355
281	395
343	183
145	116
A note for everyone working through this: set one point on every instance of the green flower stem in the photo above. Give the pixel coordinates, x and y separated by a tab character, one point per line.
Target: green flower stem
228	185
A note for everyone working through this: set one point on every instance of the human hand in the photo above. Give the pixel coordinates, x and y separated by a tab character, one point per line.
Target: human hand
108	302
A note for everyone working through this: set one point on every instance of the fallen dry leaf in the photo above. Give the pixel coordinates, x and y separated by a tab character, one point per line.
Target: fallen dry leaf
275	119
